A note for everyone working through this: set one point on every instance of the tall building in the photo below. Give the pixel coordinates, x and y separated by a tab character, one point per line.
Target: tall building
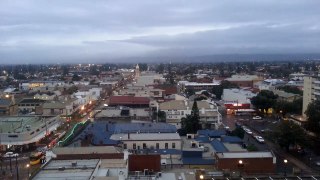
311	91
137	72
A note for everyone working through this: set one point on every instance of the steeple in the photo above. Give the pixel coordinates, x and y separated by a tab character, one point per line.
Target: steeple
137	71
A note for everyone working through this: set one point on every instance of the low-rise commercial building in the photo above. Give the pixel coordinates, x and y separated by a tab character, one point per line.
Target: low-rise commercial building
138	141
243	80
23	131
177	109
246	162
237	99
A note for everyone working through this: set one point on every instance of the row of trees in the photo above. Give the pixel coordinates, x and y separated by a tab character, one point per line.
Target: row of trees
267	99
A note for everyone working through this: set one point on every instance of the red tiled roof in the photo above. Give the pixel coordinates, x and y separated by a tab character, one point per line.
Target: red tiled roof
168	90
123	100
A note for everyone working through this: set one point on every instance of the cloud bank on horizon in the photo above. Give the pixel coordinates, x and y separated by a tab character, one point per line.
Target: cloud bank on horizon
37	31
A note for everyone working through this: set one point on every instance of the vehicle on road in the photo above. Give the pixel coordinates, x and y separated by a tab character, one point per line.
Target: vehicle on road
37	157
318	163
259	139
10	155
247	131
257	118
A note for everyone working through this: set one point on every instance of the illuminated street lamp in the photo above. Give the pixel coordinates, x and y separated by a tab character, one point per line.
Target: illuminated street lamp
28	166
240	166
82	107
201	176
7	96
285	166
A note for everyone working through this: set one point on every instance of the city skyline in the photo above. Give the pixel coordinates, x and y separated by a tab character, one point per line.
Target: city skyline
101	31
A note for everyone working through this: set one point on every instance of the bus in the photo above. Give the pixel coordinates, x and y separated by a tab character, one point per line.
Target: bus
37	158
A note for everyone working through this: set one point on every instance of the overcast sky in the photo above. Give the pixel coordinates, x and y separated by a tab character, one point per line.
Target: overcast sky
59	31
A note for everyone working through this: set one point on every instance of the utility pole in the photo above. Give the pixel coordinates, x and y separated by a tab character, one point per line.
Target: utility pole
17	169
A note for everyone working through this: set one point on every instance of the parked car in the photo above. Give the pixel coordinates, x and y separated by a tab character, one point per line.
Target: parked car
11	154
257	118
247	131
259	139
318	163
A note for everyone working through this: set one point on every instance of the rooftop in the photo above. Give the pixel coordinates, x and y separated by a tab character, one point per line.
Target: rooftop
142	128
31	100
242	78
125	100
212	133
19	124
85	150
66	169
146	136
184	105
245	155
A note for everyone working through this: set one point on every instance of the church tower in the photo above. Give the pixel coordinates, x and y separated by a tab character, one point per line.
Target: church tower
137	72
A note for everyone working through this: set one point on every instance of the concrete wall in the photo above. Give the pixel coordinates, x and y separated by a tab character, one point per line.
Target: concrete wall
152	144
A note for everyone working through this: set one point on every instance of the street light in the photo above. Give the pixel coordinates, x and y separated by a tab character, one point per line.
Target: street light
28	166
201	176
240	165
285	166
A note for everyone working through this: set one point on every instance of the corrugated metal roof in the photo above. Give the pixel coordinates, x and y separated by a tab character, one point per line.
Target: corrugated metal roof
142	127
218	146
212	133
231	139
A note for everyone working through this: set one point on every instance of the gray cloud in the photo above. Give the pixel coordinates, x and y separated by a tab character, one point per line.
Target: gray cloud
84	31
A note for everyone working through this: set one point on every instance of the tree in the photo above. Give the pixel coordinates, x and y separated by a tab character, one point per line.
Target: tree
189	92
218	90
289	134
65	70
313	117
170	75
162	116
285	107
160	68
143	66
94	70
238	132
264	100
252	147
291	89
76	77
191	124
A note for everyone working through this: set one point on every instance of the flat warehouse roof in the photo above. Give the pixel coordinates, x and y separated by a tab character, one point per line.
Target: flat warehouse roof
67	169
85	150
19	124
146	136
245	155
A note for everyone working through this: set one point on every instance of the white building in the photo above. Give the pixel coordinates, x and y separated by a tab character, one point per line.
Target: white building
41	86
149	78
311	91
177	109
240	96
141	91
85	97
186	85
149	140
